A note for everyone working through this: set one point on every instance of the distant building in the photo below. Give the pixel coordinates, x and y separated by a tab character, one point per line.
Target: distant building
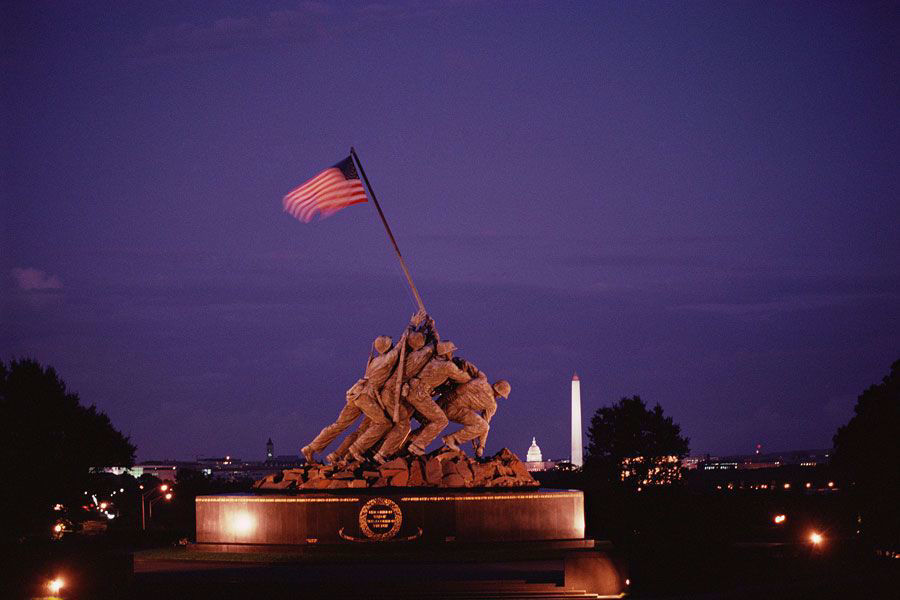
163	471
534	452
772	460
534	460
691	462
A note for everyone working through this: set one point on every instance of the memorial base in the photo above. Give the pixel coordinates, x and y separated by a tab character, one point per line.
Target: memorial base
388	517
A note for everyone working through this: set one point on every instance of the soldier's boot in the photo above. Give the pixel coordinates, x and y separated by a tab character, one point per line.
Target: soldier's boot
450	442
357	456
332	459
308	454
380	458
414	449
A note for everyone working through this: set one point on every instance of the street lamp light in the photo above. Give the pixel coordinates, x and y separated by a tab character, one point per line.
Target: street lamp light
167	497
162	488
55	585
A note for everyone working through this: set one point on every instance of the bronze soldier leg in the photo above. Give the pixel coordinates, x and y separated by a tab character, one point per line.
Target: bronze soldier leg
342	450
378	427
348	414
436	422
474	426
396	436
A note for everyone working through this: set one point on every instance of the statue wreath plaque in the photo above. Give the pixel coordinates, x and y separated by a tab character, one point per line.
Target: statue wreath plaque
380	519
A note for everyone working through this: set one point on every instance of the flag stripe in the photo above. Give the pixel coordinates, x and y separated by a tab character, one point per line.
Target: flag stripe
321	190
318	191
331	190
335	195
327	176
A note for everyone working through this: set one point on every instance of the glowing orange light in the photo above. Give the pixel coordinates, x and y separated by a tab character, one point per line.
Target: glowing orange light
55	585
830	484
103	505
243	523
627	582
808	485
787	486
58	528
779	519
164	487
816	538
168	496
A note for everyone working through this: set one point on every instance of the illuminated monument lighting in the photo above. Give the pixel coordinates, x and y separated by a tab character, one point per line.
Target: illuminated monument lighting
577	459
534	452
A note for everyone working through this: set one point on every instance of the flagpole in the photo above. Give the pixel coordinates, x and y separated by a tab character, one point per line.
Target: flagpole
388	229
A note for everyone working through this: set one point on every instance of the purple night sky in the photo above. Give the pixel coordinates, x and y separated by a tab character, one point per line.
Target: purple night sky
695	202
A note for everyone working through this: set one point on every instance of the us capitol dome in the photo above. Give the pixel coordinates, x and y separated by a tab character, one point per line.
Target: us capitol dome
534	452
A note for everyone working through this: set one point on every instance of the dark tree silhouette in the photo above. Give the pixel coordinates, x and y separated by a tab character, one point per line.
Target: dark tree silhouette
628	439
866	452
50	442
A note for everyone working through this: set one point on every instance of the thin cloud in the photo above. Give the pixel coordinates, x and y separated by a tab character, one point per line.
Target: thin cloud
789	304
305	23
34	280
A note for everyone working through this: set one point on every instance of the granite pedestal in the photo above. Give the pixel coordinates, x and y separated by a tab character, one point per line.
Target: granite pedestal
388	516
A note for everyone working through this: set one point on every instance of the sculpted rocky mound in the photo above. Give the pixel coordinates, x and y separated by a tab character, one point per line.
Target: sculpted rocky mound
443	468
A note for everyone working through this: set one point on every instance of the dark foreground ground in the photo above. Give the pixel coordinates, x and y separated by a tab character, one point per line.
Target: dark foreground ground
739	572
744	572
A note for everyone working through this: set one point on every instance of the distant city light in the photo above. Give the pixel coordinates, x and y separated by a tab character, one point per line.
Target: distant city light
121	490
779	519
103	505
627	582
787	486
808	485
831	484
164	487
816	538
169	496
58	528
55	585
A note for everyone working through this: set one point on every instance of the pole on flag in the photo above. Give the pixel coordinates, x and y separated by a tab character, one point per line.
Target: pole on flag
388	229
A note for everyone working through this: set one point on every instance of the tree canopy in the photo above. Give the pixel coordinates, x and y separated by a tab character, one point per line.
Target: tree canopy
629	437
50	441
868	447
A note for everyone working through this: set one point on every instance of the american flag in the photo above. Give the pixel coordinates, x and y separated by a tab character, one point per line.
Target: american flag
331	190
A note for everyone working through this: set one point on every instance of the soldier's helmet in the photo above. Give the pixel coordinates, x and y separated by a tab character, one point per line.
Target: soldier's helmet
502	387
416	340
444	348
383	343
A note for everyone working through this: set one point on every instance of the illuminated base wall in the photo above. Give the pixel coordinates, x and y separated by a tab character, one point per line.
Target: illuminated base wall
385	514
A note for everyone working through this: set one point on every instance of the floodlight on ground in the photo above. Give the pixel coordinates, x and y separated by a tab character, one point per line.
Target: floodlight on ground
54	585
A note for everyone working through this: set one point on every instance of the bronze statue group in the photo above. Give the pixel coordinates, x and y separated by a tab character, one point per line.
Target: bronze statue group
400	383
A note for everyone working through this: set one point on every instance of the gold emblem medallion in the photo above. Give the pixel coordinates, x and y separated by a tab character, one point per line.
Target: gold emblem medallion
380	519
